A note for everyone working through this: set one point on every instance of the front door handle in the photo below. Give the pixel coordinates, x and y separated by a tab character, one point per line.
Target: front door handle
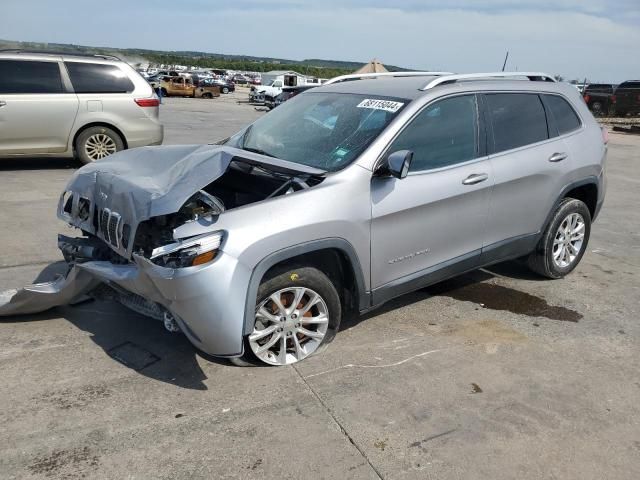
558	157
2	103
475	178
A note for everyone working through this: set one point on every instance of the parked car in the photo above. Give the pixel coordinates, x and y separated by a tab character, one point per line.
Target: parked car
64	105
598	97
286	94
627	98
225	87
240	80
185	87
337	201
258	94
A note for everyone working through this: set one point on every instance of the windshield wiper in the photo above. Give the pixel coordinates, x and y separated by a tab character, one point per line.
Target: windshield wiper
257	150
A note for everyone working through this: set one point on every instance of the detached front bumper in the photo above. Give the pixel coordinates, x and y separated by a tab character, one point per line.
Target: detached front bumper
207	301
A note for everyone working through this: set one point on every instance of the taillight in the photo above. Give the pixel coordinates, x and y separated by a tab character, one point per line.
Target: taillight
587	98
613	99
605	135
147	102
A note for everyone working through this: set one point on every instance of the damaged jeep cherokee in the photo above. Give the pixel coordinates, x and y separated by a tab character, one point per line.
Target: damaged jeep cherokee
346	196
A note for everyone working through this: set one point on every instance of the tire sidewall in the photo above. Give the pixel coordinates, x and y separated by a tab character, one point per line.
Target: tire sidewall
566	208
87	133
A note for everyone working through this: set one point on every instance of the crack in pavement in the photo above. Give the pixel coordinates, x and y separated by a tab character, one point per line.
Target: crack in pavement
337	422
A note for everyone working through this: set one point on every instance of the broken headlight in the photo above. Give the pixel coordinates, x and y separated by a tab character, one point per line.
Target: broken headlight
189	252
202	204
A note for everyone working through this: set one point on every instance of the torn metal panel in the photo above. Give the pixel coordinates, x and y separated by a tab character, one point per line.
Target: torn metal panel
43	296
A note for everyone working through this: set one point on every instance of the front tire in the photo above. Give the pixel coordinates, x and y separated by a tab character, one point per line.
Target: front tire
225	90
298	313
564	241
95	143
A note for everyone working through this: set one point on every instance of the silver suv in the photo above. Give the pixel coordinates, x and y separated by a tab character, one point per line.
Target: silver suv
337	201
56	105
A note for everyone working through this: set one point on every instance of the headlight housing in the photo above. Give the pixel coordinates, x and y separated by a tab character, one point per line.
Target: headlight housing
189	252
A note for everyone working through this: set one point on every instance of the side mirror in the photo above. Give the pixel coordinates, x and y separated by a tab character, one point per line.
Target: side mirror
398	163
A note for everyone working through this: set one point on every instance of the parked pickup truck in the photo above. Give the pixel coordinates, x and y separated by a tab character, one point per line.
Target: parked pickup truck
599	97
184	87
627	98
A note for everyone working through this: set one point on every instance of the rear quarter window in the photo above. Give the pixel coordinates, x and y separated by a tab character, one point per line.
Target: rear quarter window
20	76
564	116
98	78
518	119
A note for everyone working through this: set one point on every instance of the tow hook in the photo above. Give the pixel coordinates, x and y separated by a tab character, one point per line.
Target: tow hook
170	323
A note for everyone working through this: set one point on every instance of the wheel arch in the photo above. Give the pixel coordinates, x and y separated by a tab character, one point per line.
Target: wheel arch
99	124
585	189
335	257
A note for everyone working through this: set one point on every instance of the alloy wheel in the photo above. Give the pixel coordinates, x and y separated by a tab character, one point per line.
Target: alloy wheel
289	326
99	146
568	240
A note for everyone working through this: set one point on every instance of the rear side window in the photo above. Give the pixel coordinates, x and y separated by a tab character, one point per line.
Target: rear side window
19	76
566	119
445	133
518	119
98	78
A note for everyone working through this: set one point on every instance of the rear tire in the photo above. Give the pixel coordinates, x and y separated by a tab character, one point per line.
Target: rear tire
301	329
564	241
98	142
225	90
207	95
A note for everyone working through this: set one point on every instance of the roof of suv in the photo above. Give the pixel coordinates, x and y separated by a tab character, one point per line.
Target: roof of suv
413	87
49	55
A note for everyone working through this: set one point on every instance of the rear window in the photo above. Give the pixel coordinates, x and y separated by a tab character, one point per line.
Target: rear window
566	119
633	85
98	78
518	119
19	76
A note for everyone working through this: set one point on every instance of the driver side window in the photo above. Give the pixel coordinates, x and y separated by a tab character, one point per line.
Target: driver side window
444	133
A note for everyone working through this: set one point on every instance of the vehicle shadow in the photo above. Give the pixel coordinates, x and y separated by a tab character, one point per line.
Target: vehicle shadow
511	269
137	342
38	163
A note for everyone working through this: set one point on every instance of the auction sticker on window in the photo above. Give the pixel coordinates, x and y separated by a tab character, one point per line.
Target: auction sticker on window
386	105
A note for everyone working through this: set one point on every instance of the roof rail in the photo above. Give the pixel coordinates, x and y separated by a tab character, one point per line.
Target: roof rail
444	79
359	76
59	53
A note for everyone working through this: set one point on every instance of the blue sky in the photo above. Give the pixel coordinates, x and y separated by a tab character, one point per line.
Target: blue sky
596	39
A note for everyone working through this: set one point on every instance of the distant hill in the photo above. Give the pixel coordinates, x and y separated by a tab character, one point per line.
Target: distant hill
316	67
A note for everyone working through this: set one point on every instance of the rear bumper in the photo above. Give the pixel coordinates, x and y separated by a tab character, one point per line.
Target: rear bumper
147	132
207	301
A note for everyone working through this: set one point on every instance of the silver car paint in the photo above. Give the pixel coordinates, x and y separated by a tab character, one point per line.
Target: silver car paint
395	228
47	124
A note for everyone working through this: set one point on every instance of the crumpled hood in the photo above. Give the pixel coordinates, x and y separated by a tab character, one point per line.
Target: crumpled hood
146	182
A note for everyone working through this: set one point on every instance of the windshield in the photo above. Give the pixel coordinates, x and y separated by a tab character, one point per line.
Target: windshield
322	130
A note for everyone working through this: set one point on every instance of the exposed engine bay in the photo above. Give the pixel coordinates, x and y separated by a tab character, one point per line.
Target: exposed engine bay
241	184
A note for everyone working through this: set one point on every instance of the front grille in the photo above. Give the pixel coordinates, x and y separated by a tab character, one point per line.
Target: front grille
108	228
104	219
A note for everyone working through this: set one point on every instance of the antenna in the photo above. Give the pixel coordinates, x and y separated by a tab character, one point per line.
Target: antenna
506	57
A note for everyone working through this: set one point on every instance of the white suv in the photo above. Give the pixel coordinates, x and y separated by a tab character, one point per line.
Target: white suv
61	104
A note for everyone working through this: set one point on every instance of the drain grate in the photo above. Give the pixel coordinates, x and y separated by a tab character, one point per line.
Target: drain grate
133	356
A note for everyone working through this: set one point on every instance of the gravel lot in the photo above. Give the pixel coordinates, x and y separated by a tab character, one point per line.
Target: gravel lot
496	375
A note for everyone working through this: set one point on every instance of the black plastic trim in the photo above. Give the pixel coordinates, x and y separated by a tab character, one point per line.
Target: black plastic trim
426	277
364	297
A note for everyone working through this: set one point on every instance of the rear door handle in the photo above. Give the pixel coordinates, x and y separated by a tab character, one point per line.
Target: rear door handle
2	103
475	178
558	157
